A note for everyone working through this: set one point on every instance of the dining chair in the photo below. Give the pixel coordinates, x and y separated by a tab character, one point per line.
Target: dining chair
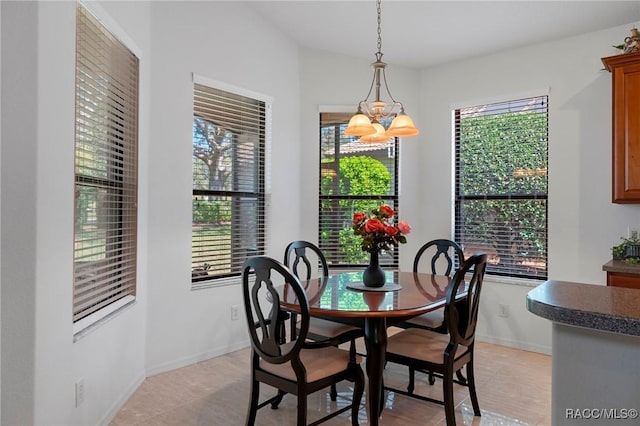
307	261
441	255
444	354
297	366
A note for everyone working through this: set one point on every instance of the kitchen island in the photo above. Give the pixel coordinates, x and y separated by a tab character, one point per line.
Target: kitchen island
595	351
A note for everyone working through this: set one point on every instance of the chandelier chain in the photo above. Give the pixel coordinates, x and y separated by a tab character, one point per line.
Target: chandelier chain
366	121
379	9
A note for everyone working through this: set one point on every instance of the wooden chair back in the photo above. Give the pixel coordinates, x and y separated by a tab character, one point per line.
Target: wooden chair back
262	308
446	250
297	251
461	315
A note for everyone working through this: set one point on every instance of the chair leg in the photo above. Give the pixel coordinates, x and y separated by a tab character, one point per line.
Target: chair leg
412	380
253	403
333	393
461	377
432	378
302	409
358	391
277	400
472	388
447	391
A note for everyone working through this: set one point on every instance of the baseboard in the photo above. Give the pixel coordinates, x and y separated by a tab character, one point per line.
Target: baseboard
119	403
543	349
135	384
183	362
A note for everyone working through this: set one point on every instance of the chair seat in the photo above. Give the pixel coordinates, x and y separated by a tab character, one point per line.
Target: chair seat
319	363
423	345
433	319
325	329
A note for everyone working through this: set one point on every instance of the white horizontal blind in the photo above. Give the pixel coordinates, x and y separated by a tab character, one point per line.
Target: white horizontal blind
106	155
501	184
229	198
354	176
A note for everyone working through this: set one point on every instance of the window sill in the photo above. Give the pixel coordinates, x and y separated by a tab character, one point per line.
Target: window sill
84	326
216	282
524	282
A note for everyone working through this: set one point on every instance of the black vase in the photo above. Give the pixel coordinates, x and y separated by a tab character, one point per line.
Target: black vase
373	275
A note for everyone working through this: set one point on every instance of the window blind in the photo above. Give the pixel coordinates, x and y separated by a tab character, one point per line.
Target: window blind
501	160
354	176
106	145
229	197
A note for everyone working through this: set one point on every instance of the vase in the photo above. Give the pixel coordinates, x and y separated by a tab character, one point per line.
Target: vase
373	275
374	299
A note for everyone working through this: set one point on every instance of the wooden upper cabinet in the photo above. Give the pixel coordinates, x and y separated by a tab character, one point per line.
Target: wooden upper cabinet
625	69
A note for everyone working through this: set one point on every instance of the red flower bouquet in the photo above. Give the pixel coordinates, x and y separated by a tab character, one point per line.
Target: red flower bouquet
378	231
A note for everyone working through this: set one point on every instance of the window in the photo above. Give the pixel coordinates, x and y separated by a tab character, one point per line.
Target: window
229	196
106	153
501	185
354	176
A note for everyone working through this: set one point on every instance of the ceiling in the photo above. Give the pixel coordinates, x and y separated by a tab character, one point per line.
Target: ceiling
422	33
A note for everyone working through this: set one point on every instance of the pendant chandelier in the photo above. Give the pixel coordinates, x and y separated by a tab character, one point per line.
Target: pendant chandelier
366	121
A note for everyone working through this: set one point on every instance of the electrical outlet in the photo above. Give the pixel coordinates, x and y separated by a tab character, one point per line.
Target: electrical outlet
235	312
503	311
79	392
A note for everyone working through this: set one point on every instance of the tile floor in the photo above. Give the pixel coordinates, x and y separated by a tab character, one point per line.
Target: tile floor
514	388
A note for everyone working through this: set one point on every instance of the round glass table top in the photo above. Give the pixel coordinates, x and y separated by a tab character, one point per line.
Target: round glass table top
418	293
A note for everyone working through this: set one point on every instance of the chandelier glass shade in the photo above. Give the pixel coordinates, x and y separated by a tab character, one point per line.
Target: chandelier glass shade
366	121
380	134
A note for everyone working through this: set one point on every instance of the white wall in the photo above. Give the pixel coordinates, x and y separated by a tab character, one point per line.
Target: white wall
18	238
41	362
583	223
225	42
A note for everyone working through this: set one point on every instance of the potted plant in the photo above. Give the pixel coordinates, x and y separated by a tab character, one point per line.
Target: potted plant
628	250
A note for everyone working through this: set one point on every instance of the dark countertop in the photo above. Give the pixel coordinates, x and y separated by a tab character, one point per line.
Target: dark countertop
621	267
614	309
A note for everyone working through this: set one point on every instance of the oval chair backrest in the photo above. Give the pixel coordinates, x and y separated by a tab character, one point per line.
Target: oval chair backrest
299	248
443	247
263	319
461	316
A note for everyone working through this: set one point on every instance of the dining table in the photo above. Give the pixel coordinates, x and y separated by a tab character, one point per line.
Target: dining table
342	297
